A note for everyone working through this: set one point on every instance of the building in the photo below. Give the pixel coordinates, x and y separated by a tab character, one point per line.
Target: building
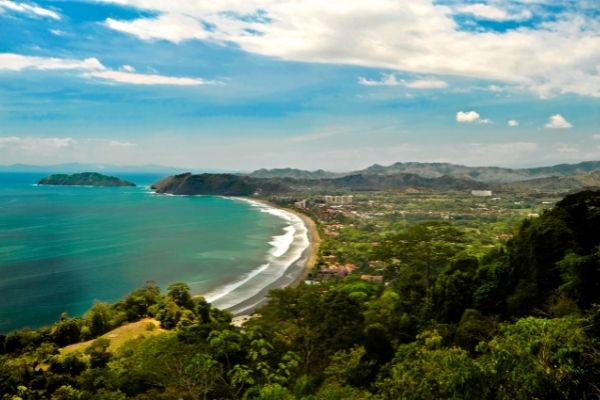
339	200
372	278
481	193
300	204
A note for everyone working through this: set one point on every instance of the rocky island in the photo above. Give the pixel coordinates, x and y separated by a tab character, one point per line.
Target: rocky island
84	179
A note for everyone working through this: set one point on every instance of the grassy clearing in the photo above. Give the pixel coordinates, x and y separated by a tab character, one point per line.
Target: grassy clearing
145	327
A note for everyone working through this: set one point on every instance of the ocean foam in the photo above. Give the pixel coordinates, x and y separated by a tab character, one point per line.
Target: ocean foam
286	250
224	290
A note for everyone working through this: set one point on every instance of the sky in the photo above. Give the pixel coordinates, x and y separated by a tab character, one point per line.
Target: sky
337	84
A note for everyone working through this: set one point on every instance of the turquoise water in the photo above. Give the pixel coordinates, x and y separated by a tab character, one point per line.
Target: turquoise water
61	248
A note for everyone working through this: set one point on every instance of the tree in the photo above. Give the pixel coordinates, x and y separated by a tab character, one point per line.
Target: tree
99	319
66	392
137	304
425	247
67	331
453	290
98	352
542	358
426	370
179	292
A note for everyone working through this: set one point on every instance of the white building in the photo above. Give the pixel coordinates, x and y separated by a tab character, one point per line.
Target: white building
481	193
339	200
300	204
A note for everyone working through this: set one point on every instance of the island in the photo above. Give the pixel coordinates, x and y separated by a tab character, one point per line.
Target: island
84	179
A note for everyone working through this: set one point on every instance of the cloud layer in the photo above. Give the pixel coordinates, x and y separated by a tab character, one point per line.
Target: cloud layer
561	56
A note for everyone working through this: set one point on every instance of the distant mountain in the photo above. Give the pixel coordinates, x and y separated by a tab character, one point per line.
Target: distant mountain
365	182
485	174
293	173
84	179
437	170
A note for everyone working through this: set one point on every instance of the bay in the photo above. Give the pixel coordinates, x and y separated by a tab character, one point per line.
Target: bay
62	248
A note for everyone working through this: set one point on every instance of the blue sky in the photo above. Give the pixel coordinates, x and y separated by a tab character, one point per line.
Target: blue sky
245	84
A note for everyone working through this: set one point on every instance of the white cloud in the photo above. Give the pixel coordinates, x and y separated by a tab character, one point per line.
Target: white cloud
469	117
492	13
417	36
31	10
117	143
596	136
93	68
391	80
127	68
17	62
145	79
427	84
51	150
57	32
513	123
36	144
497	151
44	144
386	80
563	148
557	121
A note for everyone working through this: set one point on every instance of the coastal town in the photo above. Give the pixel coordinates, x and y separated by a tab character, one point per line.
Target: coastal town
353	225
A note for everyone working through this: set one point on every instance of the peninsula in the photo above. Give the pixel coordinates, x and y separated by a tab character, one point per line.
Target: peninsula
84	179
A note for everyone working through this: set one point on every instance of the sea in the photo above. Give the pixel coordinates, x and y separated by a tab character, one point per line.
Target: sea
62	248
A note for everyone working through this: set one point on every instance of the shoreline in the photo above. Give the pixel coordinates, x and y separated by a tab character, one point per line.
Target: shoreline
314	239
296	272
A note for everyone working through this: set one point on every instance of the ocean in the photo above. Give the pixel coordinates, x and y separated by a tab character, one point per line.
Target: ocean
63	248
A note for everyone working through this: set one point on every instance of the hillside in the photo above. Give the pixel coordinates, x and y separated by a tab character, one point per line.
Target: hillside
216	184
84	179
557	183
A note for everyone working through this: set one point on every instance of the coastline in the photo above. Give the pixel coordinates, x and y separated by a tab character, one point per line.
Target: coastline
314	239
295	274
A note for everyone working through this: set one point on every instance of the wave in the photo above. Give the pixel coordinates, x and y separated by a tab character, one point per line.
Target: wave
225	290
286	250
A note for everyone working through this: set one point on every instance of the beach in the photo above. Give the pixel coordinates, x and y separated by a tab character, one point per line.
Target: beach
295	273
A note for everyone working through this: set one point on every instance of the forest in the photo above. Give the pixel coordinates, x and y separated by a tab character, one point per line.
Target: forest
521	321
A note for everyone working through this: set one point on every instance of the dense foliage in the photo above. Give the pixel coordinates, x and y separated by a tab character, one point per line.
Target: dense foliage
520	322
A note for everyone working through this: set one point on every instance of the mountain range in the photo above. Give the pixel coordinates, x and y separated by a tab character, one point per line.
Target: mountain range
437	170
399	176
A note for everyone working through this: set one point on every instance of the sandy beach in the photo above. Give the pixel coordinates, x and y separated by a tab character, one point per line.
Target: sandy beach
296	272
313	237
